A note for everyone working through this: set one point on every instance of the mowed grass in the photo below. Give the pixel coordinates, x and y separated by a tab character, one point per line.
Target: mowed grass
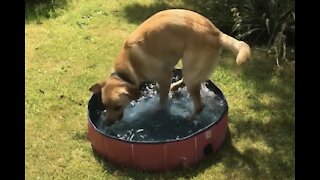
65	55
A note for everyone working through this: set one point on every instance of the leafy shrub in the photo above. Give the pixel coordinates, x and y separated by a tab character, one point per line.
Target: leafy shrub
256	21
270	22
42	8
218	11
262	21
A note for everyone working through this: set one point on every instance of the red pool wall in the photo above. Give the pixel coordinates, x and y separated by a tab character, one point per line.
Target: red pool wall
158	156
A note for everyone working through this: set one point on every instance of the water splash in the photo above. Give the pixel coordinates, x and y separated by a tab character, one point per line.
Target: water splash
145	120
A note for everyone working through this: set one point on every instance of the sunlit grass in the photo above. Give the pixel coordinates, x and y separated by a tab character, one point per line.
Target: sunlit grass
66	54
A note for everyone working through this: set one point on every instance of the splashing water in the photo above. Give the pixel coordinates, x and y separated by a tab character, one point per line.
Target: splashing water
145	120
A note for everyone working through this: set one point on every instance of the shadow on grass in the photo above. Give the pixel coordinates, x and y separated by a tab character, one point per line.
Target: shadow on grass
266	77
83	136
273	104
137	13
35	10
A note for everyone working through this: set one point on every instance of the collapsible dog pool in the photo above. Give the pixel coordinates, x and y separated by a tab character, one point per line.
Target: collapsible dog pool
154	139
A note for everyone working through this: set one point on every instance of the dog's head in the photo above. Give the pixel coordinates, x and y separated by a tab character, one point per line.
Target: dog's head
115	96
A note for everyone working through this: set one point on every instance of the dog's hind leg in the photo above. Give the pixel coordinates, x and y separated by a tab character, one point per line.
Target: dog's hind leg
194	92
164	87
198	65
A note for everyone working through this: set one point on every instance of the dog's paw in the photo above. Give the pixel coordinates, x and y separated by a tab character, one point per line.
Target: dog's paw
160	107
191	118
198	111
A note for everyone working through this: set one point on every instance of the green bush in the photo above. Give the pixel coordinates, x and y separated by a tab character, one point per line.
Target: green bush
262	21
34	9
218	11
256	21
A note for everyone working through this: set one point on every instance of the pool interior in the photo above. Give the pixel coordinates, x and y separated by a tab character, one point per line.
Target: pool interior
145	121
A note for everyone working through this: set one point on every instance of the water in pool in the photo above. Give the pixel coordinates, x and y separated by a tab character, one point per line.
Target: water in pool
144	121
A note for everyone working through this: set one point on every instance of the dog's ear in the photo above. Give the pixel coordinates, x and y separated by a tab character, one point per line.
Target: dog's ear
96	88
132	92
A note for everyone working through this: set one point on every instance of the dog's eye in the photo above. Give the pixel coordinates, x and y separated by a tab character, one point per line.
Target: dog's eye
117	108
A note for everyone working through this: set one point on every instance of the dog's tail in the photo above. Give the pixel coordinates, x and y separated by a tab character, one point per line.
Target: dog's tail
239	48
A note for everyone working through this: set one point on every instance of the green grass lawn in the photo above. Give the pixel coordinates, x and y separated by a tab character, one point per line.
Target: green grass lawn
67	53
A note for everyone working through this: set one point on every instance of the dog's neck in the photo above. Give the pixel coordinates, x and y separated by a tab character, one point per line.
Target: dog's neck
123	70
123	77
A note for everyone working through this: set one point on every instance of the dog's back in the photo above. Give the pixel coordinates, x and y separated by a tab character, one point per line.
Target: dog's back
160	41
173	30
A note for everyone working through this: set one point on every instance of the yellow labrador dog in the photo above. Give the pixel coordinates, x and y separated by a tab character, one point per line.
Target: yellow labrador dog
151	52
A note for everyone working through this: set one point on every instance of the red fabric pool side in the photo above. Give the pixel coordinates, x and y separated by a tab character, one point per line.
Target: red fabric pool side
158	157
219	132
213	136
149	157
180	153
118	151
201	141
96	140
